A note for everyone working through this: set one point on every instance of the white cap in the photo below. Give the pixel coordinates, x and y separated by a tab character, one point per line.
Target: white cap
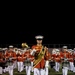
70	49
39	37
0	48
19	49
57	50
74	48
64	46
10	46
3	49
6	48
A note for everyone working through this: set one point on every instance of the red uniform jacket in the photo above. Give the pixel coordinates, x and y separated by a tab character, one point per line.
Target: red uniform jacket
40	64
65	55
71	58
10	54
58	58
27	55
20	57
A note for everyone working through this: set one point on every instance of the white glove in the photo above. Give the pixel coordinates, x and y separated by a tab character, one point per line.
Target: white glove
33	52
10	59
16	52
32	64
47	64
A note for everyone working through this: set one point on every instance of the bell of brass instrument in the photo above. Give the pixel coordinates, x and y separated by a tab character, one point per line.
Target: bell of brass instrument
24	45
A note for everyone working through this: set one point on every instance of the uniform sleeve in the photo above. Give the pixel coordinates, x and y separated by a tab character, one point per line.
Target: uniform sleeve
6	55
47	55
24	56
32	57
61	54
74	55
58	58
14	55
33	47
53	57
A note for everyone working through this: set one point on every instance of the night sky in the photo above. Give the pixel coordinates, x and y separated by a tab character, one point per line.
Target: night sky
51	35
22	26
56	29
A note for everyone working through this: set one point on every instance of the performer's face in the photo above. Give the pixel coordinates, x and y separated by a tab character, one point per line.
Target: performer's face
65	49
58	53
39	41
11	49
19	52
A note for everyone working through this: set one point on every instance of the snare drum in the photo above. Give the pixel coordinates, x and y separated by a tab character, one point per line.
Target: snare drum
27	62
9	62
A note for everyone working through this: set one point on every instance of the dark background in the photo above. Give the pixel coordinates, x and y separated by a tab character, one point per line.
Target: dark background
52	34
55	24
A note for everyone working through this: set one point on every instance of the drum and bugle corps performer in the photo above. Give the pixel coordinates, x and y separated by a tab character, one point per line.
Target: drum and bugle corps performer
65	60
40	53
11	57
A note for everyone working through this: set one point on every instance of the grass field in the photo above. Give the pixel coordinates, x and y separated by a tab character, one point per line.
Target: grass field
51	72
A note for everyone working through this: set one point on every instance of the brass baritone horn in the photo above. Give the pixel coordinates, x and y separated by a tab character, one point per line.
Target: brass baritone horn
24	45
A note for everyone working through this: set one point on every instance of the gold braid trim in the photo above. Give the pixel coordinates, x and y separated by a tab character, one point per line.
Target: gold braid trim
40	56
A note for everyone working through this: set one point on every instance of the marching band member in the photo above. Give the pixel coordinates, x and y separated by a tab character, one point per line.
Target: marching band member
65	62
74	59
57	60
1	60
10	57
47	58
52	62
15	60
28	59
32	59
20	60
6	68
3	54
71	60
40	61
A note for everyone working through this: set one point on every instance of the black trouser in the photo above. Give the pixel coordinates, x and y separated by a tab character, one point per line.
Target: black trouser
52	64
3	64
74	63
